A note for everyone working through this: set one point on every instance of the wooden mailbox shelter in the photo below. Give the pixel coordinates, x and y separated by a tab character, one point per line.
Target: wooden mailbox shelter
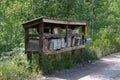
51	36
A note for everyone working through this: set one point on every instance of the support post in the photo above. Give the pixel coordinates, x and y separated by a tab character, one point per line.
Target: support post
66	37
72	39
26	39
83	35
41	32
29	55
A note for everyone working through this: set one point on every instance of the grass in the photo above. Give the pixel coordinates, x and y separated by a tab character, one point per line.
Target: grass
14	66
65	60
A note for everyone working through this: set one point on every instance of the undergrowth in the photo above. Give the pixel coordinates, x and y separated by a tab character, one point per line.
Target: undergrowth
14	66
65	60
105	42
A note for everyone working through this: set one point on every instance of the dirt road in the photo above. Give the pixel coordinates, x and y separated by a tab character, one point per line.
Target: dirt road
106	68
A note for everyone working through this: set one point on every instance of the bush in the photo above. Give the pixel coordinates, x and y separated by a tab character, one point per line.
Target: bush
105	42
14	66
65	60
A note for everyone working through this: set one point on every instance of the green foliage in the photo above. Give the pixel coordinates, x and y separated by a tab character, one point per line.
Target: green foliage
12	15
14	66
65	60
47	64
106	41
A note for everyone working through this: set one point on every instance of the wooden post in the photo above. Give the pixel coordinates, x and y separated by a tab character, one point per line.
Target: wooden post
26	39
66	37
41	37
73	51
41	32
83	36
29	55
72	39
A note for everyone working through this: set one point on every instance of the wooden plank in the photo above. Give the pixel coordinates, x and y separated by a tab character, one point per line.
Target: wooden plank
65	22
76	23
31	24
66	36
34	35
41	29
52	21
26	40
58	51
54	35
65	49
60	35
83	36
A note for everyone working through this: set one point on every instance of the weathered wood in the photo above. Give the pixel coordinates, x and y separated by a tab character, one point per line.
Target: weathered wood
58	51
26	39
65	49
32	23
33	35
33	45
41	29
61	35
40	24
66	37
83	36
52	21
29	57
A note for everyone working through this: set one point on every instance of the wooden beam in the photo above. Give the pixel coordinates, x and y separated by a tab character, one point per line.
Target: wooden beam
65	49
32	24
65	22
66	37
26	39
83	36
41	32
51	21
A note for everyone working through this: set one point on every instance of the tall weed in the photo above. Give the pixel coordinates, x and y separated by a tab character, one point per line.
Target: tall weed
14	66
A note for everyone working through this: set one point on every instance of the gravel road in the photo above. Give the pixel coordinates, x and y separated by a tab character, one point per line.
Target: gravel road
106	68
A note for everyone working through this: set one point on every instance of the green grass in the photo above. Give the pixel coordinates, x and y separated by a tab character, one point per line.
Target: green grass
14	66
65	60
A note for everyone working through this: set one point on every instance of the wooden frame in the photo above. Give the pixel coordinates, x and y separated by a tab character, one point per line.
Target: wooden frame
42	22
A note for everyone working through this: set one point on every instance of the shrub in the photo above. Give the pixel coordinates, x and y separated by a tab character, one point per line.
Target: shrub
14	66
65	60
105	42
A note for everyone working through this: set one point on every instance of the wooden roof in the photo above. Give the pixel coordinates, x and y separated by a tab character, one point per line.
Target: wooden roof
48	20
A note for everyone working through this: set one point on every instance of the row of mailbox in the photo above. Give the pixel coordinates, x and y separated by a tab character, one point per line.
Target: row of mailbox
55	44
60	43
